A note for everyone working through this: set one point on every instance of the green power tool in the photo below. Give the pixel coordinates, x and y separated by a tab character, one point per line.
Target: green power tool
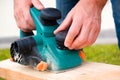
44	50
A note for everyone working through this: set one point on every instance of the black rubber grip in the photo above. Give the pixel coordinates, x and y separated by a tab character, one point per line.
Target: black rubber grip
60	38
49	16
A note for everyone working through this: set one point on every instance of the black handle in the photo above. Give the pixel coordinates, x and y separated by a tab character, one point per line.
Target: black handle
60	38
25	34
49	16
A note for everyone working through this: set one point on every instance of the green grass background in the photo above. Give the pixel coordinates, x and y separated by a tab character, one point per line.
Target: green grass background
107	53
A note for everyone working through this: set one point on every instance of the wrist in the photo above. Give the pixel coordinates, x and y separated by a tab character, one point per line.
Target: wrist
95	6
99	4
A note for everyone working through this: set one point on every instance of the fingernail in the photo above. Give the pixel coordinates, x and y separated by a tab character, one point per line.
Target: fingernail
70	48
54	32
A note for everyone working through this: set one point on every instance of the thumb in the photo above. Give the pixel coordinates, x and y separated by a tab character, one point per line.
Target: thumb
37	4
65	24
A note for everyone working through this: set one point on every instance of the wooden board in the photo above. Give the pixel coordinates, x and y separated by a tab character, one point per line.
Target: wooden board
87	71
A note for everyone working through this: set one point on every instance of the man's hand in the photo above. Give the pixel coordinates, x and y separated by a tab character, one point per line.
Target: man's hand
22	13
84	21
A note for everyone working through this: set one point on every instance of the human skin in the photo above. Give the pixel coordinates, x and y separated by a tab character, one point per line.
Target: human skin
22	13
84	20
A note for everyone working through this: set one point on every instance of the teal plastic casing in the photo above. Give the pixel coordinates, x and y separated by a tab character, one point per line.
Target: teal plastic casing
56	58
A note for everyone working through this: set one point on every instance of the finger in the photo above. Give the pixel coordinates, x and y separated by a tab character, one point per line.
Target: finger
66	23
22	20
37	4
92	38
82	37
25	29
24	26
73	32
28	19
94	34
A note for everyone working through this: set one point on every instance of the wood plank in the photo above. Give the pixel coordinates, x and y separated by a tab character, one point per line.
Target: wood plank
87	71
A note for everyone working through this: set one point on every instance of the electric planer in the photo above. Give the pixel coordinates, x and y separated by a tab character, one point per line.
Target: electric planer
44	50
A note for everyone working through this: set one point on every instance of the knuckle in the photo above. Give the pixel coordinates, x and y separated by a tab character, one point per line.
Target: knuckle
26	15
82	40
90	42
33	27
97	27
17	11
64	23
19	26
67	42
93	41
71	32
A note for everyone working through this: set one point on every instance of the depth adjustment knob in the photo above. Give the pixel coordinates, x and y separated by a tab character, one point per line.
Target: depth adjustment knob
49	16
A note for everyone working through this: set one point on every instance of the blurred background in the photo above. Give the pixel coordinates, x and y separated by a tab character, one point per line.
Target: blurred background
10	32
104	50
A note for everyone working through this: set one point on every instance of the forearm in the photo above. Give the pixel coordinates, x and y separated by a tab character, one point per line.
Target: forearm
93	5
100	3
84	20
